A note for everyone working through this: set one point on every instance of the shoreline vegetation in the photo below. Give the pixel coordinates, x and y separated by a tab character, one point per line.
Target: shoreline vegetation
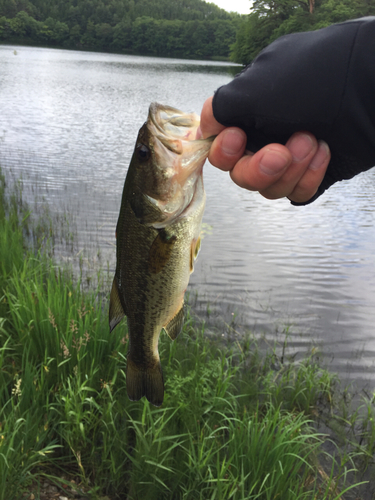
235	423
187	29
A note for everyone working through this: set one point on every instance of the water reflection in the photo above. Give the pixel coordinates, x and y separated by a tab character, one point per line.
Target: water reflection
163	67
68	124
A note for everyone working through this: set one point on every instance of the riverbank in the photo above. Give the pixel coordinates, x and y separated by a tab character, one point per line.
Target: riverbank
19	43
234	423
204	37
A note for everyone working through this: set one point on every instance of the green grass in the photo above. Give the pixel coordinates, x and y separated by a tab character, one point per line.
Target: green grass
234	424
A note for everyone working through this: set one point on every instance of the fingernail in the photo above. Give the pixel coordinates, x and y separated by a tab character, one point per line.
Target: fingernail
320	156
300	146
199	134
232	142
273	162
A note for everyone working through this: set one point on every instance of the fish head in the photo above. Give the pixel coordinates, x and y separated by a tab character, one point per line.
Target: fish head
168	160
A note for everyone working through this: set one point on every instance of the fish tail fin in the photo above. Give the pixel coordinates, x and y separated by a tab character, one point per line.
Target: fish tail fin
149	383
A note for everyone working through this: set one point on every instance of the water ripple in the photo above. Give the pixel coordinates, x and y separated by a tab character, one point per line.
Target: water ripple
68	125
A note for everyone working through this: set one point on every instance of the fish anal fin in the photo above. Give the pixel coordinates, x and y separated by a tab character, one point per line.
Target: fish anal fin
174	326
160	251
116	309
145	382
194	250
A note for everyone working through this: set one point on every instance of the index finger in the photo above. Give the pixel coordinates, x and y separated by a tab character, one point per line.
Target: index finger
209	125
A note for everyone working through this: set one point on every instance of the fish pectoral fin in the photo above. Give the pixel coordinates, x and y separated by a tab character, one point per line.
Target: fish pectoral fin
174	326
194	250
160	251
145	382
116	309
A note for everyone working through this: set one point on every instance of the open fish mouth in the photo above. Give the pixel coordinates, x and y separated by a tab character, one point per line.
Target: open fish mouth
175	144
172	124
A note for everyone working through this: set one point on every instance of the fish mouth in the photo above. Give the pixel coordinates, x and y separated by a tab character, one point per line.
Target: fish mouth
174	133
177	160
172	124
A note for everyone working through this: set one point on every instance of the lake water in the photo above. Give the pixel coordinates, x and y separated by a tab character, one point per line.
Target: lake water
68	124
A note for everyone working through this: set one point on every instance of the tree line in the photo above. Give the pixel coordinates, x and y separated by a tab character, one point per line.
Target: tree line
271	19
173	28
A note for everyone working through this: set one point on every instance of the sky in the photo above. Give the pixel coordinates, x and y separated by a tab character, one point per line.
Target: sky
241	6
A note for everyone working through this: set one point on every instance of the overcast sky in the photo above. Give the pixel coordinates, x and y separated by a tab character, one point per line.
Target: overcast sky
241	6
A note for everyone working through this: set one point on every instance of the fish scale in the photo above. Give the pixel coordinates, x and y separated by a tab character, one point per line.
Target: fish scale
158	238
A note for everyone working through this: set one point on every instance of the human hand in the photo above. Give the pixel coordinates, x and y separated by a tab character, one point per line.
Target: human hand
295	170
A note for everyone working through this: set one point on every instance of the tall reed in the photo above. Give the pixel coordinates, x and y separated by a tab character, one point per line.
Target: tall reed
231	426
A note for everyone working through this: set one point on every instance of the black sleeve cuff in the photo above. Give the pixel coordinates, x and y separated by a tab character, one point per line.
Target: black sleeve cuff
320	81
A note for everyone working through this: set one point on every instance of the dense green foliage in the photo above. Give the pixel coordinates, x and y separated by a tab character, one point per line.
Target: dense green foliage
172	28
233	425
270	19
175	28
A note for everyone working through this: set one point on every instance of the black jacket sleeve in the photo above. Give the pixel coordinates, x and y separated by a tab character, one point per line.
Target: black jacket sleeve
320	81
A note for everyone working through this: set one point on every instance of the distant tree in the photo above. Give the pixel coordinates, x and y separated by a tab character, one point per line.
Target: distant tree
20	24
104	34
23	26
3	21
174	38
89	40
74	36
73	17
60	33
4	28
366	8
102	15
273	18
122	36
144	36
179	28
9	9
189	40
46	30
224	36
333	11
250	38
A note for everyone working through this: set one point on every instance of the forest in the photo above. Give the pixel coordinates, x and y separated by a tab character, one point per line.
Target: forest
170	28
270	19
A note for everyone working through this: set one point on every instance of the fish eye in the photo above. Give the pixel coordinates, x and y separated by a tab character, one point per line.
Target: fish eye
143	153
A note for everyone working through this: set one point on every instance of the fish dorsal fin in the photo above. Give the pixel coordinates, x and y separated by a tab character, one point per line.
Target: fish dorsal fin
116	309
174	327
194	250
160	251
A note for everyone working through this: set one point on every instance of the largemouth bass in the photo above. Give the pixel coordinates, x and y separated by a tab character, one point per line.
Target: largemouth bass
158	238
